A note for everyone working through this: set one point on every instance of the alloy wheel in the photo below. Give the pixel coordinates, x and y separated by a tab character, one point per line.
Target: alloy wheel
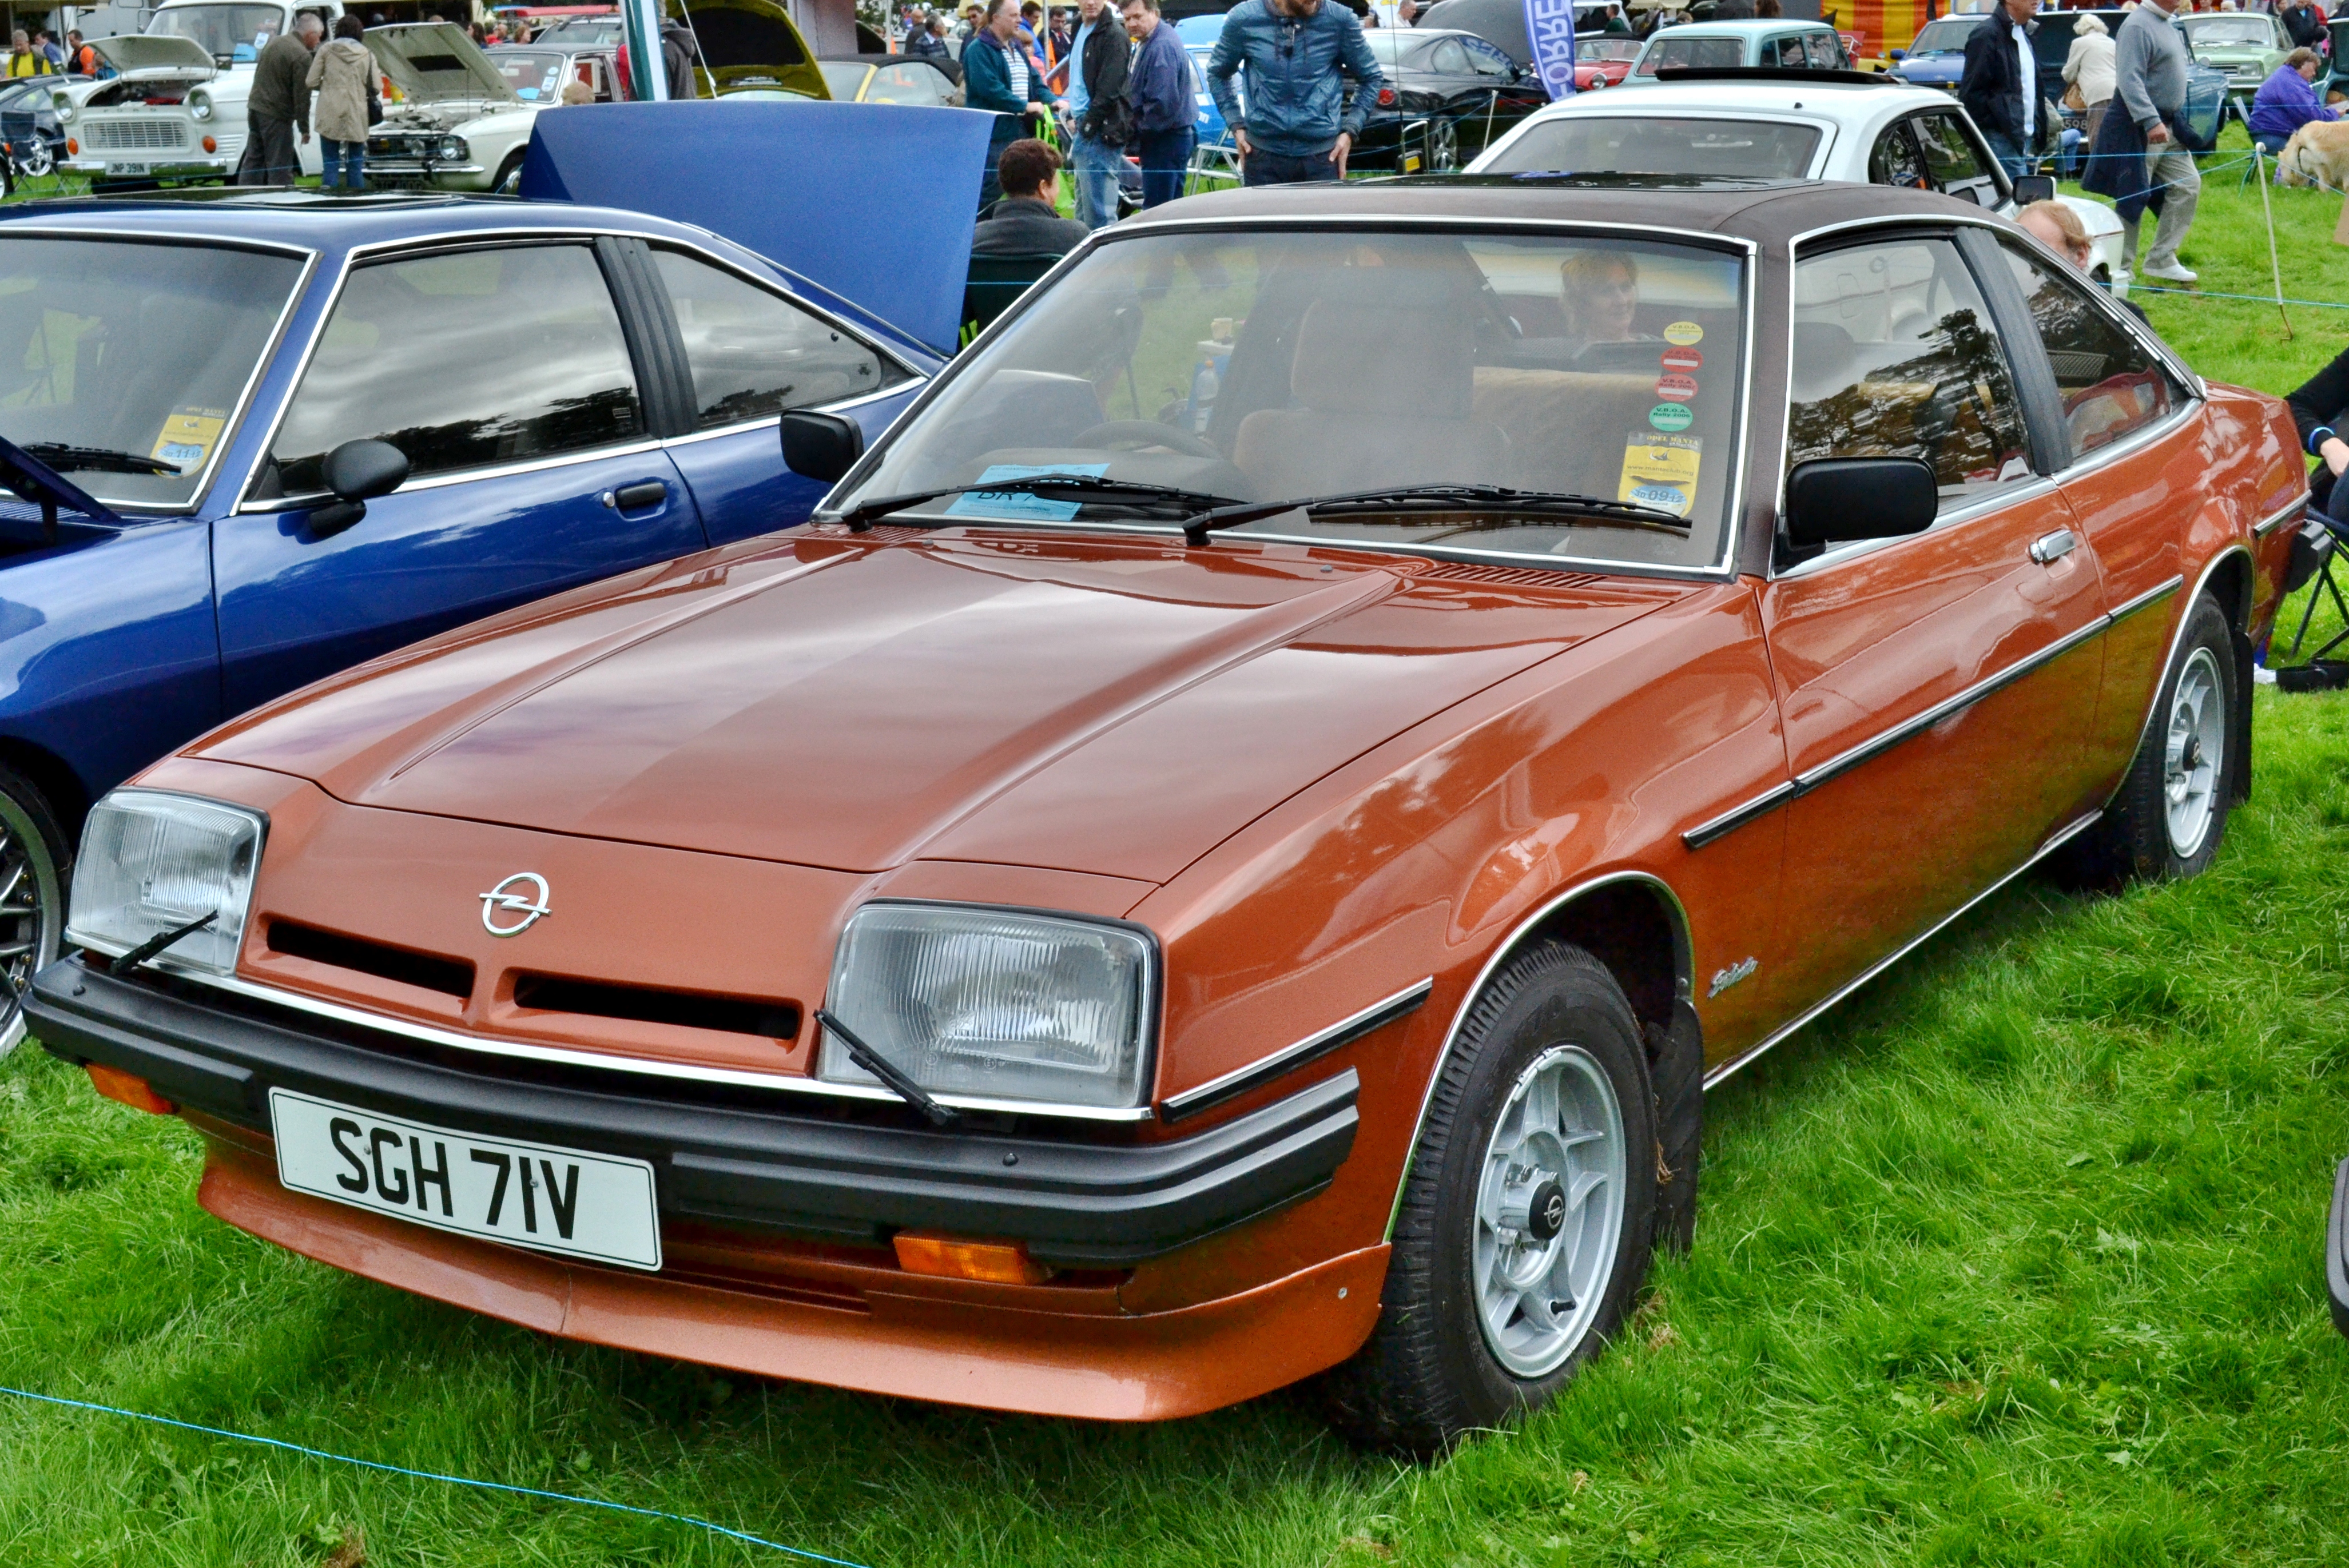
2193	757
1442	146
1549	1211
32	912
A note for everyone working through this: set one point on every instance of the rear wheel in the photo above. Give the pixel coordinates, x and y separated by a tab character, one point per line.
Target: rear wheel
33	860
1527	1218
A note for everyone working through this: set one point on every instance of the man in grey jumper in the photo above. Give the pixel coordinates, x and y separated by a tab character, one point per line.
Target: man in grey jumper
2150	59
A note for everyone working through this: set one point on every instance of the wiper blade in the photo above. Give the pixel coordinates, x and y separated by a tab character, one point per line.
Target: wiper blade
100	460
1078	488
161	940
887	1071
1444	497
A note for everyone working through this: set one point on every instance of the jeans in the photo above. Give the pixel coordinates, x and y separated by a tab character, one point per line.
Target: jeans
1166	163
1264	168
1094	163
346	159
2271	142
2166	164
2010	157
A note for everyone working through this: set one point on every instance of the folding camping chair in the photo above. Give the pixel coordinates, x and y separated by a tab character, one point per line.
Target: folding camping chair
2314	550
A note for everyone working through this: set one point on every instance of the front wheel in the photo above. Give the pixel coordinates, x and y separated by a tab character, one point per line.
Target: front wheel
33	860
1527	1218
2171	811
509	179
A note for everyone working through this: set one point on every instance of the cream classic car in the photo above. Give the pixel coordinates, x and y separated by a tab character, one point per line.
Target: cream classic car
176	110
451	120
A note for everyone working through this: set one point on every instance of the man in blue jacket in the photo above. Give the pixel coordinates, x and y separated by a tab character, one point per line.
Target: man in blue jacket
997	75
1165	116
1298	55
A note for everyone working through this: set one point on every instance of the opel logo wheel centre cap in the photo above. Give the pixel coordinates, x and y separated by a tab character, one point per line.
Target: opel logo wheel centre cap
523	894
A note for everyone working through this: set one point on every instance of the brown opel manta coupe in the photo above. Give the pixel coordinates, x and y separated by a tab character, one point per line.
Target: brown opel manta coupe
1234	845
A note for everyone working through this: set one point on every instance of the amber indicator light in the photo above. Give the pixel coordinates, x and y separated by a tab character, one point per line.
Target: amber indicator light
950	1257
134	1092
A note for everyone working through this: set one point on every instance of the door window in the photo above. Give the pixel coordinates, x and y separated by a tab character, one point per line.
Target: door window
464	360
1896	356
1825	51
754	354
2111	384
1448	58
1896	161
1952	162
1487	60
904	83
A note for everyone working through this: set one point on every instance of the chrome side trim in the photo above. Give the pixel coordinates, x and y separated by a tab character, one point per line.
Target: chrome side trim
2057	841
773	422
2146	599
495	1046
1684	963
1885	740
2268	525
1345	1032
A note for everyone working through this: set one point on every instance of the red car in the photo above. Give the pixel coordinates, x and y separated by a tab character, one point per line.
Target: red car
1233	847
1604	61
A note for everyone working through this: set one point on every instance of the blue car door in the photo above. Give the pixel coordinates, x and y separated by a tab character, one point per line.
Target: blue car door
751	352
519	390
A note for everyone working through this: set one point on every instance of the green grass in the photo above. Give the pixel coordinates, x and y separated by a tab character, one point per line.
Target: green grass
2015	1259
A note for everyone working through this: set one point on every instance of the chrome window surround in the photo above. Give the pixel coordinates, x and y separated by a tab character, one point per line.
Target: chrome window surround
1264	1069
1884	740
2019	491
306	254
1683	971
480	239
526	1050
1723	569
1829	129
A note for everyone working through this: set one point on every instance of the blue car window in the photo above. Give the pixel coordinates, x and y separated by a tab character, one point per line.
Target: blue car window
124	347
755	353
466	360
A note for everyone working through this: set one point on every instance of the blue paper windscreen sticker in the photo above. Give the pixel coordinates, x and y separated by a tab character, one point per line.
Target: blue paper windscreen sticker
1022	504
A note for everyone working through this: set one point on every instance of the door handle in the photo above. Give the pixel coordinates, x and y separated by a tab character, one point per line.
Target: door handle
2050	548
636	497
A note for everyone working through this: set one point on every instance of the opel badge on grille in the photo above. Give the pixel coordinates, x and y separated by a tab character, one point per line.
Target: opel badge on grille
522	893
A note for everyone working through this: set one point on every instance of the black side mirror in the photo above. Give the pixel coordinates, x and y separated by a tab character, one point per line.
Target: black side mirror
821	446
1833	500
357	471
2030	187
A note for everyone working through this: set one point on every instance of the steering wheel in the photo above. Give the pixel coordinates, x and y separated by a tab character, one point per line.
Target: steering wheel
1136	435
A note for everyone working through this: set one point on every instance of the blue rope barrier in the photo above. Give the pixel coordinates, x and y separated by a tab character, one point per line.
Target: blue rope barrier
2136	288
431	1475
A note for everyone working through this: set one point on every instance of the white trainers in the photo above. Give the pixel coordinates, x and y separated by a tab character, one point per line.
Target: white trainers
2169	272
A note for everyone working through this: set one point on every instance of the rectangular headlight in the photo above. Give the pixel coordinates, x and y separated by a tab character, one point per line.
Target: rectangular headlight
997	1003
151	862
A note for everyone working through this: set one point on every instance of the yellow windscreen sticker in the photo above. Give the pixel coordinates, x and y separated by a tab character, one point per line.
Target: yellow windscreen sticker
1660	469
187	437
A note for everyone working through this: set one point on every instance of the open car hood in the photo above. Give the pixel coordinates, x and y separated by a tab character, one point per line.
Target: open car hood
1098	705
155	53
749	44
436	62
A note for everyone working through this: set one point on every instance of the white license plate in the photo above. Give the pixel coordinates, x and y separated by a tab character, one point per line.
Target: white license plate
126	168
528	1195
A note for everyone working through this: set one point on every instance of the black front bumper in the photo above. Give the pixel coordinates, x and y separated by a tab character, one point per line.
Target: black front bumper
1072	1203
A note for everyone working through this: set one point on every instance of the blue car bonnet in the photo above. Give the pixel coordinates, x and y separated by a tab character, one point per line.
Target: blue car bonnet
875	201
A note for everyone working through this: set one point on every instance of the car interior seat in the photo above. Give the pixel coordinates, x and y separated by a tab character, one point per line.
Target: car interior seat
1385	396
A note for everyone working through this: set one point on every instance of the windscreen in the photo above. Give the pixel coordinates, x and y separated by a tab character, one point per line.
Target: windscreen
844	78
1626	144
220	29
535	74
1944	37
1265	367
2223	32
1702	53
133	356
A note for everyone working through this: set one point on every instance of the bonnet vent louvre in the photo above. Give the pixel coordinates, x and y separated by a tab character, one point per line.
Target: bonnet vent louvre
1528	576
647	1005
426	971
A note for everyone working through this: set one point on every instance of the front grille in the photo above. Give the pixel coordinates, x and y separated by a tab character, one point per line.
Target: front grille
646	1004
141	135
426	971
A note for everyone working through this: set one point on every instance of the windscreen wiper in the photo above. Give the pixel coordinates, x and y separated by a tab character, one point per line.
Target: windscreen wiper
161	940
888	1072
99	459
1078	487
1445	498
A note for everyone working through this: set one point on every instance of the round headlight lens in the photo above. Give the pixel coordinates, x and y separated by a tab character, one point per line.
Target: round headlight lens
200	103
452	150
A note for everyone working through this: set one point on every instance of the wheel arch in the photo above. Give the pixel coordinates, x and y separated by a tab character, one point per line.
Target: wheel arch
61	787
1631	922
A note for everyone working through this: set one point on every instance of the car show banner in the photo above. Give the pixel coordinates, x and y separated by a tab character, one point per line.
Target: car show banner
1550	29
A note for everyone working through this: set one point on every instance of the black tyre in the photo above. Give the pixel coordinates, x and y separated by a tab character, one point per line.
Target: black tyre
2170	813
1526	1217
509	179
32	868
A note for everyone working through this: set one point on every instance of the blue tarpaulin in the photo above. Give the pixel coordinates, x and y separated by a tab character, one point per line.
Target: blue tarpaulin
875	201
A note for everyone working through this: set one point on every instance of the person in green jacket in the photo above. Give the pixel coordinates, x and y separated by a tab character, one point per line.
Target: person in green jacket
279	106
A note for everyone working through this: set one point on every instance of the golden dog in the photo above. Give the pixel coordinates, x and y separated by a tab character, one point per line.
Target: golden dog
2317	154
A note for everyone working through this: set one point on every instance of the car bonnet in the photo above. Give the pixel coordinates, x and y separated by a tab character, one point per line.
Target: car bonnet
436	62
1094	704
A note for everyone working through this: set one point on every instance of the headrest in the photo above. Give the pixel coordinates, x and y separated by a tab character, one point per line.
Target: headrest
1356	357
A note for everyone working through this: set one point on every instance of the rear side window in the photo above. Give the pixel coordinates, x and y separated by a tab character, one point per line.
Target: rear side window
1896	356
1951	163
542	368
1895	161
1448	58
2111	384
1702	52
755	353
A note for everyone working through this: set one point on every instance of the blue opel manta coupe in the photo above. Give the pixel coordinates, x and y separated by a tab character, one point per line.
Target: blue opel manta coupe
255	438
